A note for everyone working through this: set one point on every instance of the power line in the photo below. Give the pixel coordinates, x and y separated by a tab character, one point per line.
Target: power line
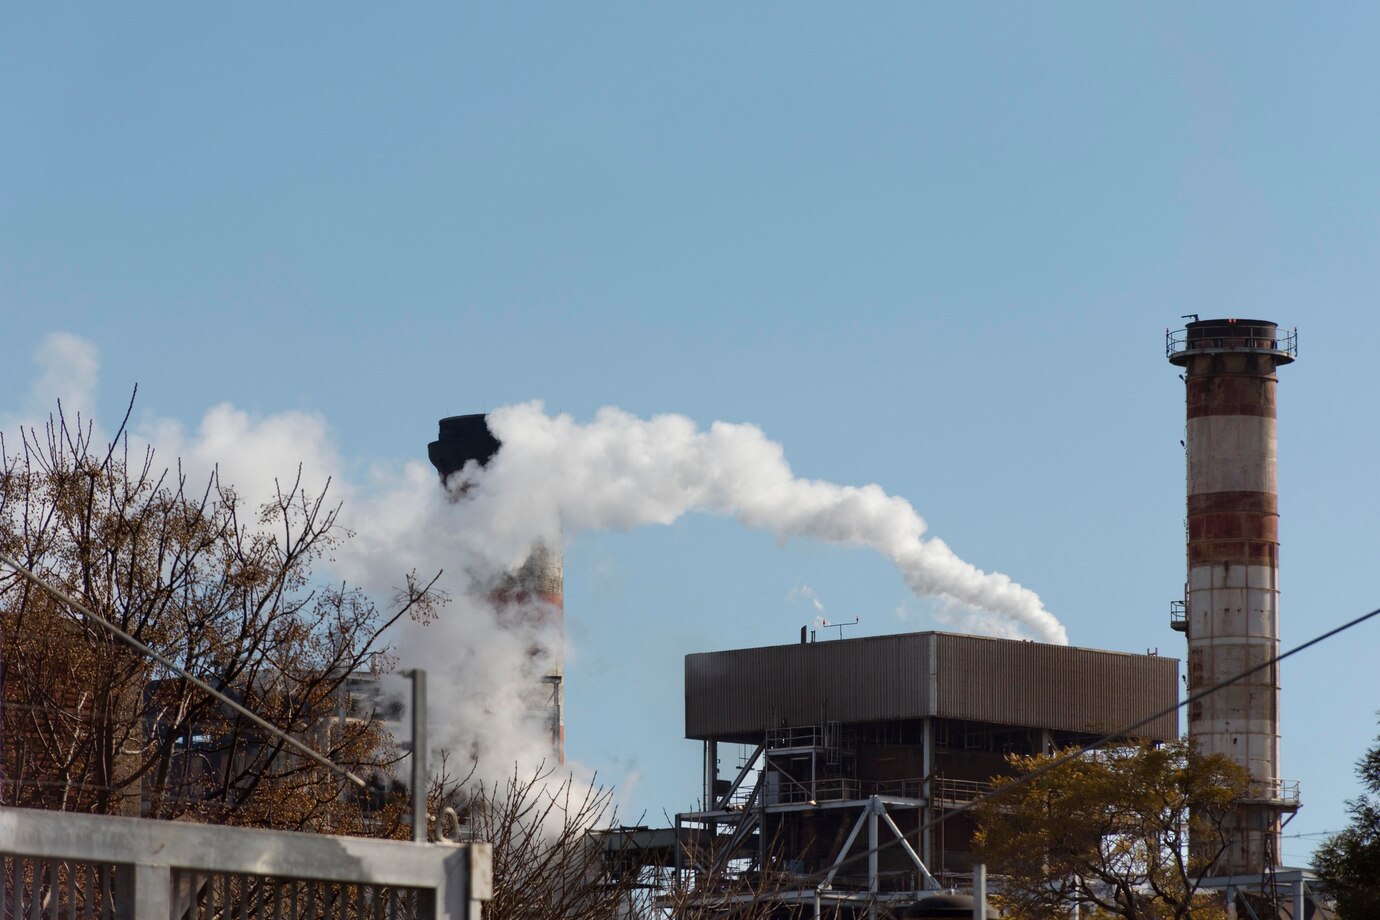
166	662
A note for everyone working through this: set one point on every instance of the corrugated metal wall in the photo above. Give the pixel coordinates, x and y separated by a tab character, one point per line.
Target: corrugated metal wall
882	678
1052	686
852	680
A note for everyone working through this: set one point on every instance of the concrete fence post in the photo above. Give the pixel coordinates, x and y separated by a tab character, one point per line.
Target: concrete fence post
143	891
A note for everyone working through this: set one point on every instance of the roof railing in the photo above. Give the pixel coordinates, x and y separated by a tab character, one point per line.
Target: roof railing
1241	337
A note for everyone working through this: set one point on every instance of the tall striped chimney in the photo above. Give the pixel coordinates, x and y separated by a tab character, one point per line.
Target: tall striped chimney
1232	595
536	590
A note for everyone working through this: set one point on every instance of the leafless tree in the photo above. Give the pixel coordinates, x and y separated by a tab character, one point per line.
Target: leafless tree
560	854
91	725
230	595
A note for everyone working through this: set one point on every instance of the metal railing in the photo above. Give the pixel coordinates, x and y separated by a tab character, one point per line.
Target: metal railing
959	791
1242	337
910	788
1274	790
799	736
943	790
1178	615
825	790
60	864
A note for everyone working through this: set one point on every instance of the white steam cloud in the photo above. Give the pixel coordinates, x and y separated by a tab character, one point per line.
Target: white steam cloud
254	455
69	366
808	593
67	370
621	472
553	477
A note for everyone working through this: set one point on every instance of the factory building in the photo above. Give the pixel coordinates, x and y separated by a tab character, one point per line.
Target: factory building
827	765
853	743
835	773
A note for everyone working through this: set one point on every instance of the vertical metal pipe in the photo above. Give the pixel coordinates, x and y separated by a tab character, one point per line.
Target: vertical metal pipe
676	855
927	769
1232	621
874	805
980	891
420	780
711	773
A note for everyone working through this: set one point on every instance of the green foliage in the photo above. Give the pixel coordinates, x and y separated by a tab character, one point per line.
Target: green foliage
1111	830
1349	862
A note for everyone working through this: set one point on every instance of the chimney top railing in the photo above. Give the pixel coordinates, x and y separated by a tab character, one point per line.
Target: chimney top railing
1230	336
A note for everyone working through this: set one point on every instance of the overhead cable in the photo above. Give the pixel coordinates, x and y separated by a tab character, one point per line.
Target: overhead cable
166	662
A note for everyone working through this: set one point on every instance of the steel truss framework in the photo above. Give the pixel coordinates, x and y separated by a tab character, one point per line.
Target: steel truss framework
765	829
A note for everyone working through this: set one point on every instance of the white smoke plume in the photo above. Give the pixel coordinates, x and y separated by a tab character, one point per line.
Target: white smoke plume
809	595
254	455
552	478
622	472
483	663
67	367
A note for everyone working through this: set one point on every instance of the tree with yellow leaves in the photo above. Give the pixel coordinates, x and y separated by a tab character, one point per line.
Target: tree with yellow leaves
1126	831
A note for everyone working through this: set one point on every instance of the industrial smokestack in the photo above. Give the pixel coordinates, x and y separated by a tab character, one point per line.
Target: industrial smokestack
535	592
1232	594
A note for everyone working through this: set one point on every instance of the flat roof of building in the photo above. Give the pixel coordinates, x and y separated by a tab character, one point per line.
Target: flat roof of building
740	693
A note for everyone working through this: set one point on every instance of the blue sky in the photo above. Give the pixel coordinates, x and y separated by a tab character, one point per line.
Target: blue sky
932	247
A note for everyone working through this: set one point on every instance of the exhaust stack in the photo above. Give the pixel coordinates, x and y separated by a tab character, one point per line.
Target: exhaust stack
1231	602
534	590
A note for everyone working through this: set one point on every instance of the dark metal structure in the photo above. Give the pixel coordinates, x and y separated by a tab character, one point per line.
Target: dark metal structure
732	695
859	742
535	589
946	904
462	438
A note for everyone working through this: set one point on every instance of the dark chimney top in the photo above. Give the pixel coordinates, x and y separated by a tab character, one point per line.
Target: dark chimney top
462	438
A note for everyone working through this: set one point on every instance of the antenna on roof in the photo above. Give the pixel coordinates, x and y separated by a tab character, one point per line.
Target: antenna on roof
840	626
